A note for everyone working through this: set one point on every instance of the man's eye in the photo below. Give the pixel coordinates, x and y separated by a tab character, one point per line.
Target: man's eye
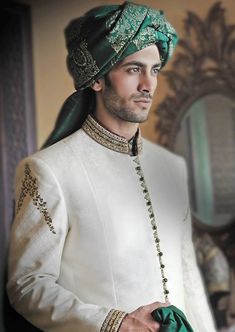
156	71
133	70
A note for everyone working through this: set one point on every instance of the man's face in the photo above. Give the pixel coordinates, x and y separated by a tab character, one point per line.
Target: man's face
129	87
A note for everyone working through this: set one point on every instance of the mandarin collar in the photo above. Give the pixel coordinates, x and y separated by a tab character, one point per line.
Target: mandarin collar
112	141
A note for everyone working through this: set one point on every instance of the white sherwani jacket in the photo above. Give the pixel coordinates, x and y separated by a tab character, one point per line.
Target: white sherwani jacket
82	245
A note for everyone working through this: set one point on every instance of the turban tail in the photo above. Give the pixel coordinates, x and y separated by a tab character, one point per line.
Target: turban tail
106	35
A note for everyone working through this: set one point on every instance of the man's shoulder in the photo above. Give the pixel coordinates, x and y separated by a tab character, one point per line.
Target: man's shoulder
61	152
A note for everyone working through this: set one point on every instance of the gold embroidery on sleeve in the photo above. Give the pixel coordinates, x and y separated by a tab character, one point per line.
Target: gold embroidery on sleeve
30	187
113	321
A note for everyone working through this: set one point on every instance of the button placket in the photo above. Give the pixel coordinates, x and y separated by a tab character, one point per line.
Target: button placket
153	222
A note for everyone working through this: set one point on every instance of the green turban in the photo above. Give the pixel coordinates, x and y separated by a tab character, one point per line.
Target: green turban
97	41
107	34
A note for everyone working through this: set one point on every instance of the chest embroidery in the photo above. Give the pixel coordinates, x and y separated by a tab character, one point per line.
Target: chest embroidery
30	187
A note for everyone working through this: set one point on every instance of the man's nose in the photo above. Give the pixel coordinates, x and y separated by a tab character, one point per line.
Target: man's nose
148	83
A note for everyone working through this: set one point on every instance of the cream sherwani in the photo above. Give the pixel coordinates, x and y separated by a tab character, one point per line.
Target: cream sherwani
82	244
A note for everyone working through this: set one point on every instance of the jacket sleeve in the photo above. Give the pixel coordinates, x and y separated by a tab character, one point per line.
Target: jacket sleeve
198	311
37	239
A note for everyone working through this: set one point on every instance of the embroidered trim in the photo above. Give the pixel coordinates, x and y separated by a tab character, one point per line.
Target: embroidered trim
122	31
108	139
146	37
153	222
82	65
125	27
30	187
113	321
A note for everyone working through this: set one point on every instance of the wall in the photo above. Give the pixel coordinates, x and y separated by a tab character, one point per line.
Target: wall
52	81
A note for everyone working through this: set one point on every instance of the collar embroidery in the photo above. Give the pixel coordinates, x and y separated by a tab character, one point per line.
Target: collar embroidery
111	140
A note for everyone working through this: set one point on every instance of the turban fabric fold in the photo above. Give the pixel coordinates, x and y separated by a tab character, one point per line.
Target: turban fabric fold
102	37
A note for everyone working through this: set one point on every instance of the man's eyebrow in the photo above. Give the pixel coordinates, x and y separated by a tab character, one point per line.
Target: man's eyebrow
139	64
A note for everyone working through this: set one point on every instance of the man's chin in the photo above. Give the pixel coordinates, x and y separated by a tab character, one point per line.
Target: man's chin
138	118
133	115
142	115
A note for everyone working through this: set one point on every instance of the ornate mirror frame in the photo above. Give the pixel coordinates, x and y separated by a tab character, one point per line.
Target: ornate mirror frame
199	69
204	65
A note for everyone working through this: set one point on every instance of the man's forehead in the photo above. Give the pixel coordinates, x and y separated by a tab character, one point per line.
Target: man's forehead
149	56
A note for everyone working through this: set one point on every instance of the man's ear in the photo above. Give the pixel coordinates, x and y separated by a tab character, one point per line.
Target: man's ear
97	85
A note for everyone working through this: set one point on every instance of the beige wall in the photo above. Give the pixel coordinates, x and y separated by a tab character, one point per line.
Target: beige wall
52	81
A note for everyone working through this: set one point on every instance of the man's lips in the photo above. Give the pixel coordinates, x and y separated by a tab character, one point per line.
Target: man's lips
142	102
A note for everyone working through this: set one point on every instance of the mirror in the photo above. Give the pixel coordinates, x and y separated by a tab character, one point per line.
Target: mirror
206	139
197	120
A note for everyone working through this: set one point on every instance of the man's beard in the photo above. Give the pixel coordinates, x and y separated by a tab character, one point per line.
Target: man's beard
119	107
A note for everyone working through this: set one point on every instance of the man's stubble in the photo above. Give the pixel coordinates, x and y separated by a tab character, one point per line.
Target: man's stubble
124	109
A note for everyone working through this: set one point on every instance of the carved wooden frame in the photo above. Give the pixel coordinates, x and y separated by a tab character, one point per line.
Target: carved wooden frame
200	68
205	64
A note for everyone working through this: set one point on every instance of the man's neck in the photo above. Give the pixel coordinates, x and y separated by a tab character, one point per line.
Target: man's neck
117	126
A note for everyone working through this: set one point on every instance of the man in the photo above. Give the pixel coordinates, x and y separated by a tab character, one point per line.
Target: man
102	233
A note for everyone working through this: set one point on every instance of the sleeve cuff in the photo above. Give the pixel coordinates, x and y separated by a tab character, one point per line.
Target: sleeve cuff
113	321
